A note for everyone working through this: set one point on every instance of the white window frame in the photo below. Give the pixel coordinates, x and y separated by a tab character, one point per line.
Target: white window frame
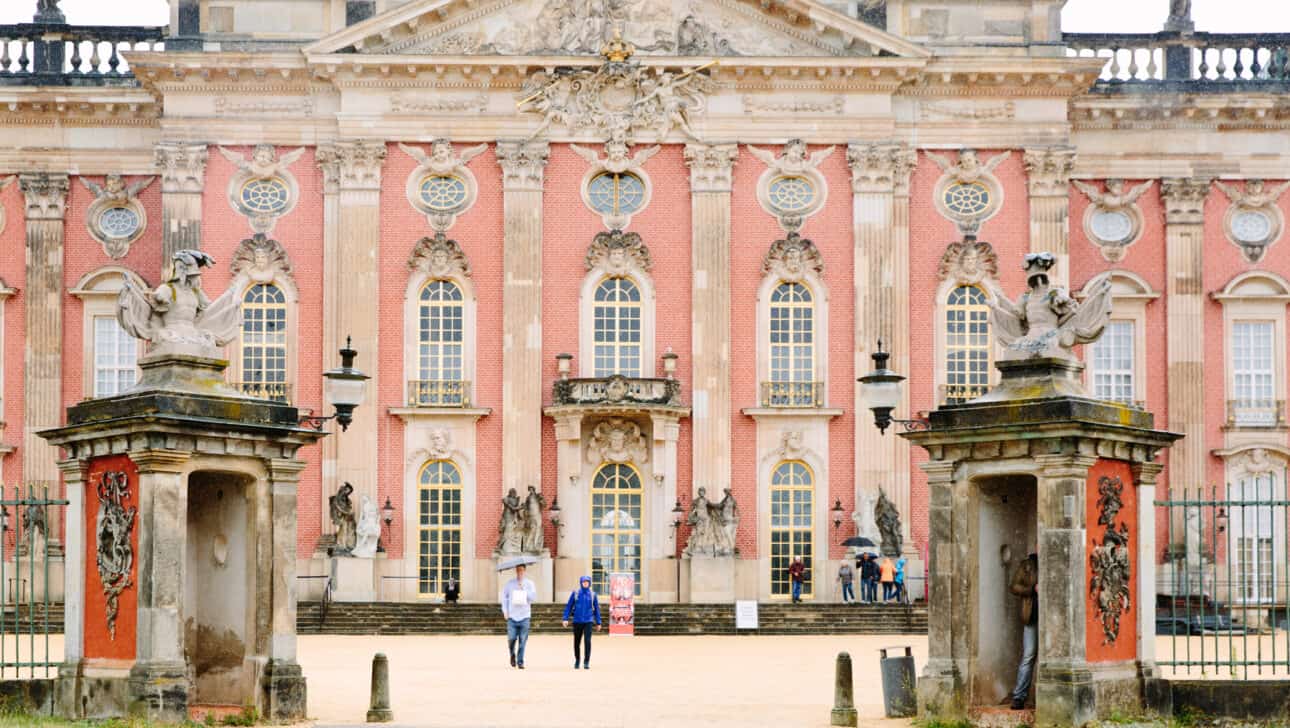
98	291
291	298
941	336
1255	296
1239	471
123	344
412	322
587	320
1111	342
820	331
1130	297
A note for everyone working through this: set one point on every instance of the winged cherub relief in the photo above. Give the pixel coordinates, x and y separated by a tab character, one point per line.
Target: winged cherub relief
264	161
115	218
114	188
1045	321
794	160
176	317
616	158
441	159
1115	197
968	168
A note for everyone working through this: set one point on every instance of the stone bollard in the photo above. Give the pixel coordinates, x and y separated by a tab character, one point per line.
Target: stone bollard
844	706
380	712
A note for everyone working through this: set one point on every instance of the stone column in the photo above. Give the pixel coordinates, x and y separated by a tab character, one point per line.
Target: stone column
880	230
74	569
1063	684
183	178
284	683
944	679
523	164
46	201
1048	171
710	184
351	274
159	677
1184	201
1145	475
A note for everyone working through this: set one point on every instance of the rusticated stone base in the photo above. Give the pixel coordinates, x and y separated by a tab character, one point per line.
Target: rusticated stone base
940	695
159	691
1064	698
284	692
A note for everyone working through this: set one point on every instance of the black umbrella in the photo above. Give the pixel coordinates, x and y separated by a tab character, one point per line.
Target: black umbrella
859	541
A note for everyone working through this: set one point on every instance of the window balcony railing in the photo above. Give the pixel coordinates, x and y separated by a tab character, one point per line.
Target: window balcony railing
1256	413
438	393
792	394
273	391
58	54
961	393
617	390
1186	61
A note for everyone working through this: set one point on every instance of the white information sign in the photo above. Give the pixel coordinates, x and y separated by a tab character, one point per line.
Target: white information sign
746	614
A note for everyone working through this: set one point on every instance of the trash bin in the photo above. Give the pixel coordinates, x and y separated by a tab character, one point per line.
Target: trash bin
899	684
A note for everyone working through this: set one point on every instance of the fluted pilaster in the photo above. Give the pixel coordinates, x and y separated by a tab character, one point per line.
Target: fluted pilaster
1048	171
183	178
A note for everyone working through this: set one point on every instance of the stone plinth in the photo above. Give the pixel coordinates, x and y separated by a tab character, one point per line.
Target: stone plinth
353	579
712	579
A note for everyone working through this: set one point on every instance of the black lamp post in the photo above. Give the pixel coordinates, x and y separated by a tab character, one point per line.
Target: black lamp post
880	389
554	513
678	515
387	515
345	386
836	510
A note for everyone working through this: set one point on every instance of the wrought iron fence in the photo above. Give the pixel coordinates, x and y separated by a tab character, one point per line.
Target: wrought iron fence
28	614
1223	582
438	393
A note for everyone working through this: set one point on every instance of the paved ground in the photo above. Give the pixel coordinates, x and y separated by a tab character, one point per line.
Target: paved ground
634	681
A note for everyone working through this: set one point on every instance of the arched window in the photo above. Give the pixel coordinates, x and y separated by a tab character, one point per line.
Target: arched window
617	320
439	526
967	345
264	343
616	497
792	503
792	348
440	346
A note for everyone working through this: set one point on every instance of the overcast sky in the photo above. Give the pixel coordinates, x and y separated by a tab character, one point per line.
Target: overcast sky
1128	16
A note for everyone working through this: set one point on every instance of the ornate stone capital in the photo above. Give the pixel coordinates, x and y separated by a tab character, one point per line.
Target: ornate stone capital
439	256
351	165
710	166
1048	170
522	164
879	168
1184	199
46	195
182	166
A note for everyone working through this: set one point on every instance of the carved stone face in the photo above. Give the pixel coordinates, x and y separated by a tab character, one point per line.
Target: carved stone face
441	151
1115	186
616	151
795	150
793	441
438	259
617	258
793	259
261	257
970	263
438	441
968	160
617	438
113	184
264	154
1254	187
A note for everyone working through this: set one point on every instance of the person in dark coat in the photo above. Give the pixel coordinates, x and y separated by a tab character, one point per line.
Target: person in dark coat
451	591
584	610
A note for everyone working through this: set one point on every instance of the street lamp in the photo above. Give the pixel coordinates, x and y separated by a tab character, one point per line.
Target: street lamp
880	390
836	510
345	387
678	515
554	510
387	515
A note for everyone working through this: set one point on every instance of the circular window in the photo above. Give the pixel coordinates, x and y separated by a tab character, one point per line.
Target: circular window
1252	226
791	194
1111	226
616	194
967	199
267	195
443	192
119	222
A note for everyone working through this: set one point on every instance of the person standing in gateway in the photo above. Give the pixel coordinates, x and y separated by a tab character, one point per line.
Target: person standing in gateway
1025	584
518	596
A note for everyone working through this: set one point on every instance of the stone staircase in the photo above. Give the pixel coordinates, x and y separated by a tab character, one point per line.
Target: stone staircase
395	618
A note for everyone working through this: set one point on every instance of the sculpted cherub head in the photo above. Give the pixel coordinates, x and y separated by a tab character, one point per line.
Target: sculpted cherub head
795	150
264	154
969	161
114	185
1115	186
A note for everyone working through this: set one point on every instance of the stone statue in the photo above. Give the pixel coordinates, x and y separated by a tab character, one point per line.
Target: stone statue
1115	197
1045	321
967	168
34	529
866	526
368	531
533	538
47	11
1179	16
341	509
510	530
729	514
888	520
713	526
177	317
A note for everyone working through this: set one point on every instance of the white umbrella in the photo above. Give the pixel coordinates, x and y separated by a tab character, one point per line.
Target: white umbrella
511	562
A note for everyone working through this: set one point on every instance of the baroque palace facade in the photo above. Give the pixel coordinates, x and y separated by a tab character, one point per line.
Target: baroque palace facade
621	250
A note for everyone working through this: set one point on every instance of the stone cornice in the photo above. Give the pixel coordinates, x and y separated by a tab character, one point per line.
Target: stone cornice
879	168
1181	111
522	163
45	194
710	166
1005	77
1184	199
78	107
1048	170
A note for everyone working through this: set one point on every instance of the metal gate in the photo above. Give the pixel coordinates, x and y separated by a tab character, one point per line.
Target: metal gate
28	614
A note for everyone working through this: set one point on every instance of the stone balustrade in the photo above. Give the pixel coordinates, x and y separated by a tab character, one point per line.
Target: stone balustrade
1190	61
58	54
617	390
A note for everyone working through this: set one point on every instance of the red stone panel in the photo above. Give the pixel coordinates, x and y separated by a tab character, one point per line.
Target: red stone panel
1125	646
100	644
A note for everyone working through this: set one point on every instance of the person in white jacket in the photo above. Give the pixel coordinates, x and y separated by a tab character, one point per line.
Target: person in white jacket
517	599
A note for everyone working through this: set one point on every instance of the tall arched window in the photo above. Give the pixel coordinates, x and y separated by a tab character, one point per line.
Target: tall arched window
616	497
439	526
792	348
617	318
792	525
264	342
440	337
967	345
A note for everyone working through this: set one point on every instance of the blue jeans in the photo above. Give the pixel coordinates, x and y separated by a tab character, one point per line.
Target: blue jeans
848	593
887	591
870	590
1026	670
797	591
517	630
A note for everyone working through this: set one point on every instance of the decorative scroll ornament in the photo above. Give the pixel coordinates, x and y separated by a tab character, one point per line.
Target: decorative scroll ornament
618	253
617	100
1109	585
261	260
792	258
1113	222
441	187
969	262
1254	221
968	193
115	218
1045	321
617	441
263	189
177	317
440	257
791	188
616	187
5	182
115	551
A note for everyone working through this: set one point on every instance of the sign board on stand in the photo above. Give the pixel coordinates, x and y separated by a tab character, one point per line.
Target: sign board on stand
622	604
746	614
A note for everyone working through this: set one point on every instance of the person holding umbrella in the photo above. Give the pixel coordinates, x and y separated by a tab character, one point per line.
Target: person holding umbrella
517	600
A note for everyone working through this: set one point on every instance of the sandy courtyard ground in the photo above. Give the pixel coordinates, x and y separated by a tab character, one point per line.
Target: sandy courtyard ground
634	681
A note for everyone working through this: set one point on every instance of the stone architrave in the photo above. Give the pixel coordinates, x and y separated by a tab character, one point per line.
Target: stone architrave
1048	172
116	218
183	178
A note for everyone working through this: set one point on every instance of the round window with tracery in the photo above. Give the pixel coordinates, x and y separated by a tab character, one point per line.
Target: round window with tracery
1111	226
443	192
969	199
1252	226
791	194
616	194
119	222
268	195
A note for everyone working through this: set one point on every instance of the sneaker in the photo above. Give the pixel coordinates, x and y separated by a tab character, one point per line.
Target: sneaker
520	666
1018	705
576	664
512	660
587	666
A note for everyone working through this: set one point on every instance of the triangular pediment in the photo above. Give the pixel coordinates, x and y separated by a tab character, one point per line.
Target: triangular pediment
694	28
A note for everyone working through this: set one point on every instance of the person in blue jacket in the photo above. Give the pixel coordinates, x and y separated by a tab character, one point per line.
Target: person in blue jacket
584	609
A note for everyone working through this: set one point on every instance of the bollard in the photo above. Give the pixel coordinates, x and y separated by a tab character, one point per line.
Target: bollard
899	683
844	706
380	712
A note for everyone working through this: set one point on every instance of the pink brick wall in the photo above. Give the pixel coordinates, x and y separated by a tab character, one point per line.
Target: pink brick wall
13	272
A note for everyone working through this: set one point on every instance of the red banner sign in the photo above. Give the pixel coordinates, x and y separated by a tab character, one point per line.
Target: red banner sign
622	604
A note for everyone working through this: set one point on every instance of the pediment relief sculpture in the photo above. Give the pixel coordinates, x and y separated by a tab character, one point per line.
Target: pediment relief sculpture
617	441
1113	222
618	253
1254	221
792	258
439	257
442	187
116	218
263	189
969	262
261	260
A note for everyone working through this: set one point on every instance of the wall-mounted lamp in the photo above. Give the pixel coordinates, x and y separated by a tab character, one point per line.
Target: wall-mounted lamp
669	363
563	363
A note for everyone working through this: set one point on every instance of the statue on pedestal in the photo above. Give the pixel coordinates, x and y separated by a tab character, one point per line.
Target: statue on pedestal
1045	321
177	317
888	518
729	514
510	530
533	504
368	530
712	525
341	509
